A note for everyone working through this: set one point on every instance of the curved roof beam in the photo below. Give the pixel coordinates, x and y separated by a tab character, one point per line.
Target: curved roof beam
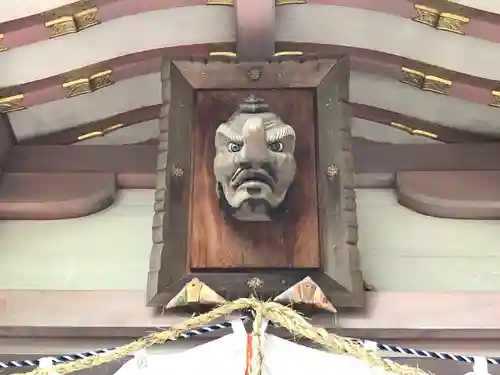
64	121
255	29
141	32
27	24
463	86
360	28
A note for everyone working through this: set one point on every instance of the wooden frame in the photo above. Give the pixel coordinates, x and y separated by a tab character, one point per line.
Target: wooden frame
340	275
121	314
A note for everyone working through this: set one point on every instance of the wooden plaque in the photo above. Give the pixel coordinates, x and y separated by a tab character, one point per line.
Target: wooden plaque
315	239
217	242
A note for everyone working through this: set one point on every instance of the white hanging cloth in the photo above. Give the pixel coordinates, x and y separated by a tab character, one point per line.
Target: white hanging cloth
228	356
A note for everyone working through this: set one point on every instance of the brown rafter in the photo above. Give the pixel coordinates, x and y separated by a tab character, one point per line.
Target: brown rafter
69	136
408	124
418	127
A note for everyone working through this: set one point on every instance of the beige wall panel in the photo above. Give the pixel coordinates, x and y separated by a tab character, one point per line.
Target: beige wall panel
118	37
405	251
362	28
401	250
108	250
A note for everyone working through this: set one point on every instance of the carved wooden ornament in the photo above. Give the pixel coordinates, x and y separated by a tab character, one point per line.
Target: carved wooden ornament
195	292
306	292
200	241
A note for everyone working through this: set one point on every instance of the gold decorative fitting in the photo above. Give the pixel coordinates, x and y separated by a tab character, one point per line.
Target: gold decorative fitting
100	133
78	87
452	23
220	2
225	54
426	15
62	26
425	82
306	292
11	103
2	48
288	53
177	171
413	77
441	21
409	130
86	85
255	283
285	2
195	292
73	23
332	170
86	18
436	84
496	98
101	79
254	74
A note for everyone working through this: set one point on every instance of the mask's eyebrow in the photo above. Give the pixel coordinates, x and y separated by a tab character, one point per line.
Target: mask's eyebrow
230	134
280	133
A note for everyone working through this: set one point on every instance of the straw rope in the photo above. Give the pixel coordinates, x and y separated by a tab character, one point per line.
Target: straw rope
258	356
280	315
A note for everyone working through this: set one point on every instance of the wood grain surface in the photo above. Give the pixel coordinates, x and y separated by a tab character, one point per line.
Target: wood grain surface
218	242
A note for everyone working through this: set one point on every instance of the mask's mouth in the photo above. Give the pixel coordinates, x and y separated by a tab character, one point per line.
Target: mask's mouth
251	177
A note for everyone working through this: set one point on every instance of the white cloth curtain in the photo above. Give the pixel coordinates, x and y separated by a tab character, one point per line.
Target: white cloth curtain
227	356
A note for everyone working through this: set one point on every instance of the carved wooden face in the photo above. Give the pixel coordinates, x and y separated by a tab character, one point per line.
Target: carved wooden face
254	164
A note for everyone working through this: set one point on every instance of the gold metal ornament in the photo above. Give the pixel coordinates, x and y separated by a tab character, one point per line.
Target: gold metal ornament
86	18
412	77
100	133
177	171
11	103
77	87
496	98
426	15
411	131
2	48
332	170
62	26
452	23
93	83
220	2
73	23
286	2
436	84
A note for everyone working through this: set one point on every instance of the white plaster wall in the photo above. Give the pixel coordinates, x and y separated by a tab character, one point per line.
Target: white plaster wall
107	250
401	250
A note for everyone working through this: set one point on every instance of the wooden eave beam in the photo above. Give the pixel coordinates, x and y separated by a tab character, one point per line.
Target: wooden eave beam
254	29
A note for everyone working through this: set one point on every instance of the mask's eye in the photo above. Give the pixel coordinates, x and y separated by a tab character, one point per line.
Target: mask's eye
233	147
276	146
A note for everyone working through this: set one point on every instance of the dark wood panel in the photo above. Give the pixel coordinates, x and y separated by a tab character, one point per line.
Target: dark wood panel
292	241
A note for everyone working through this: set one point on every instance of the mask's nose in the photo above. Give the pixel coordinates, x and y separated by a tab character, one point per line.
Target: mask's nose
255	144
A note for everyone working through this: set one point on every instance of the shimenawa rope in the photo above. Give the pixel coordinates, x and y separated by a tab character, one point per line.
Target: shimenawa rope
282	316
